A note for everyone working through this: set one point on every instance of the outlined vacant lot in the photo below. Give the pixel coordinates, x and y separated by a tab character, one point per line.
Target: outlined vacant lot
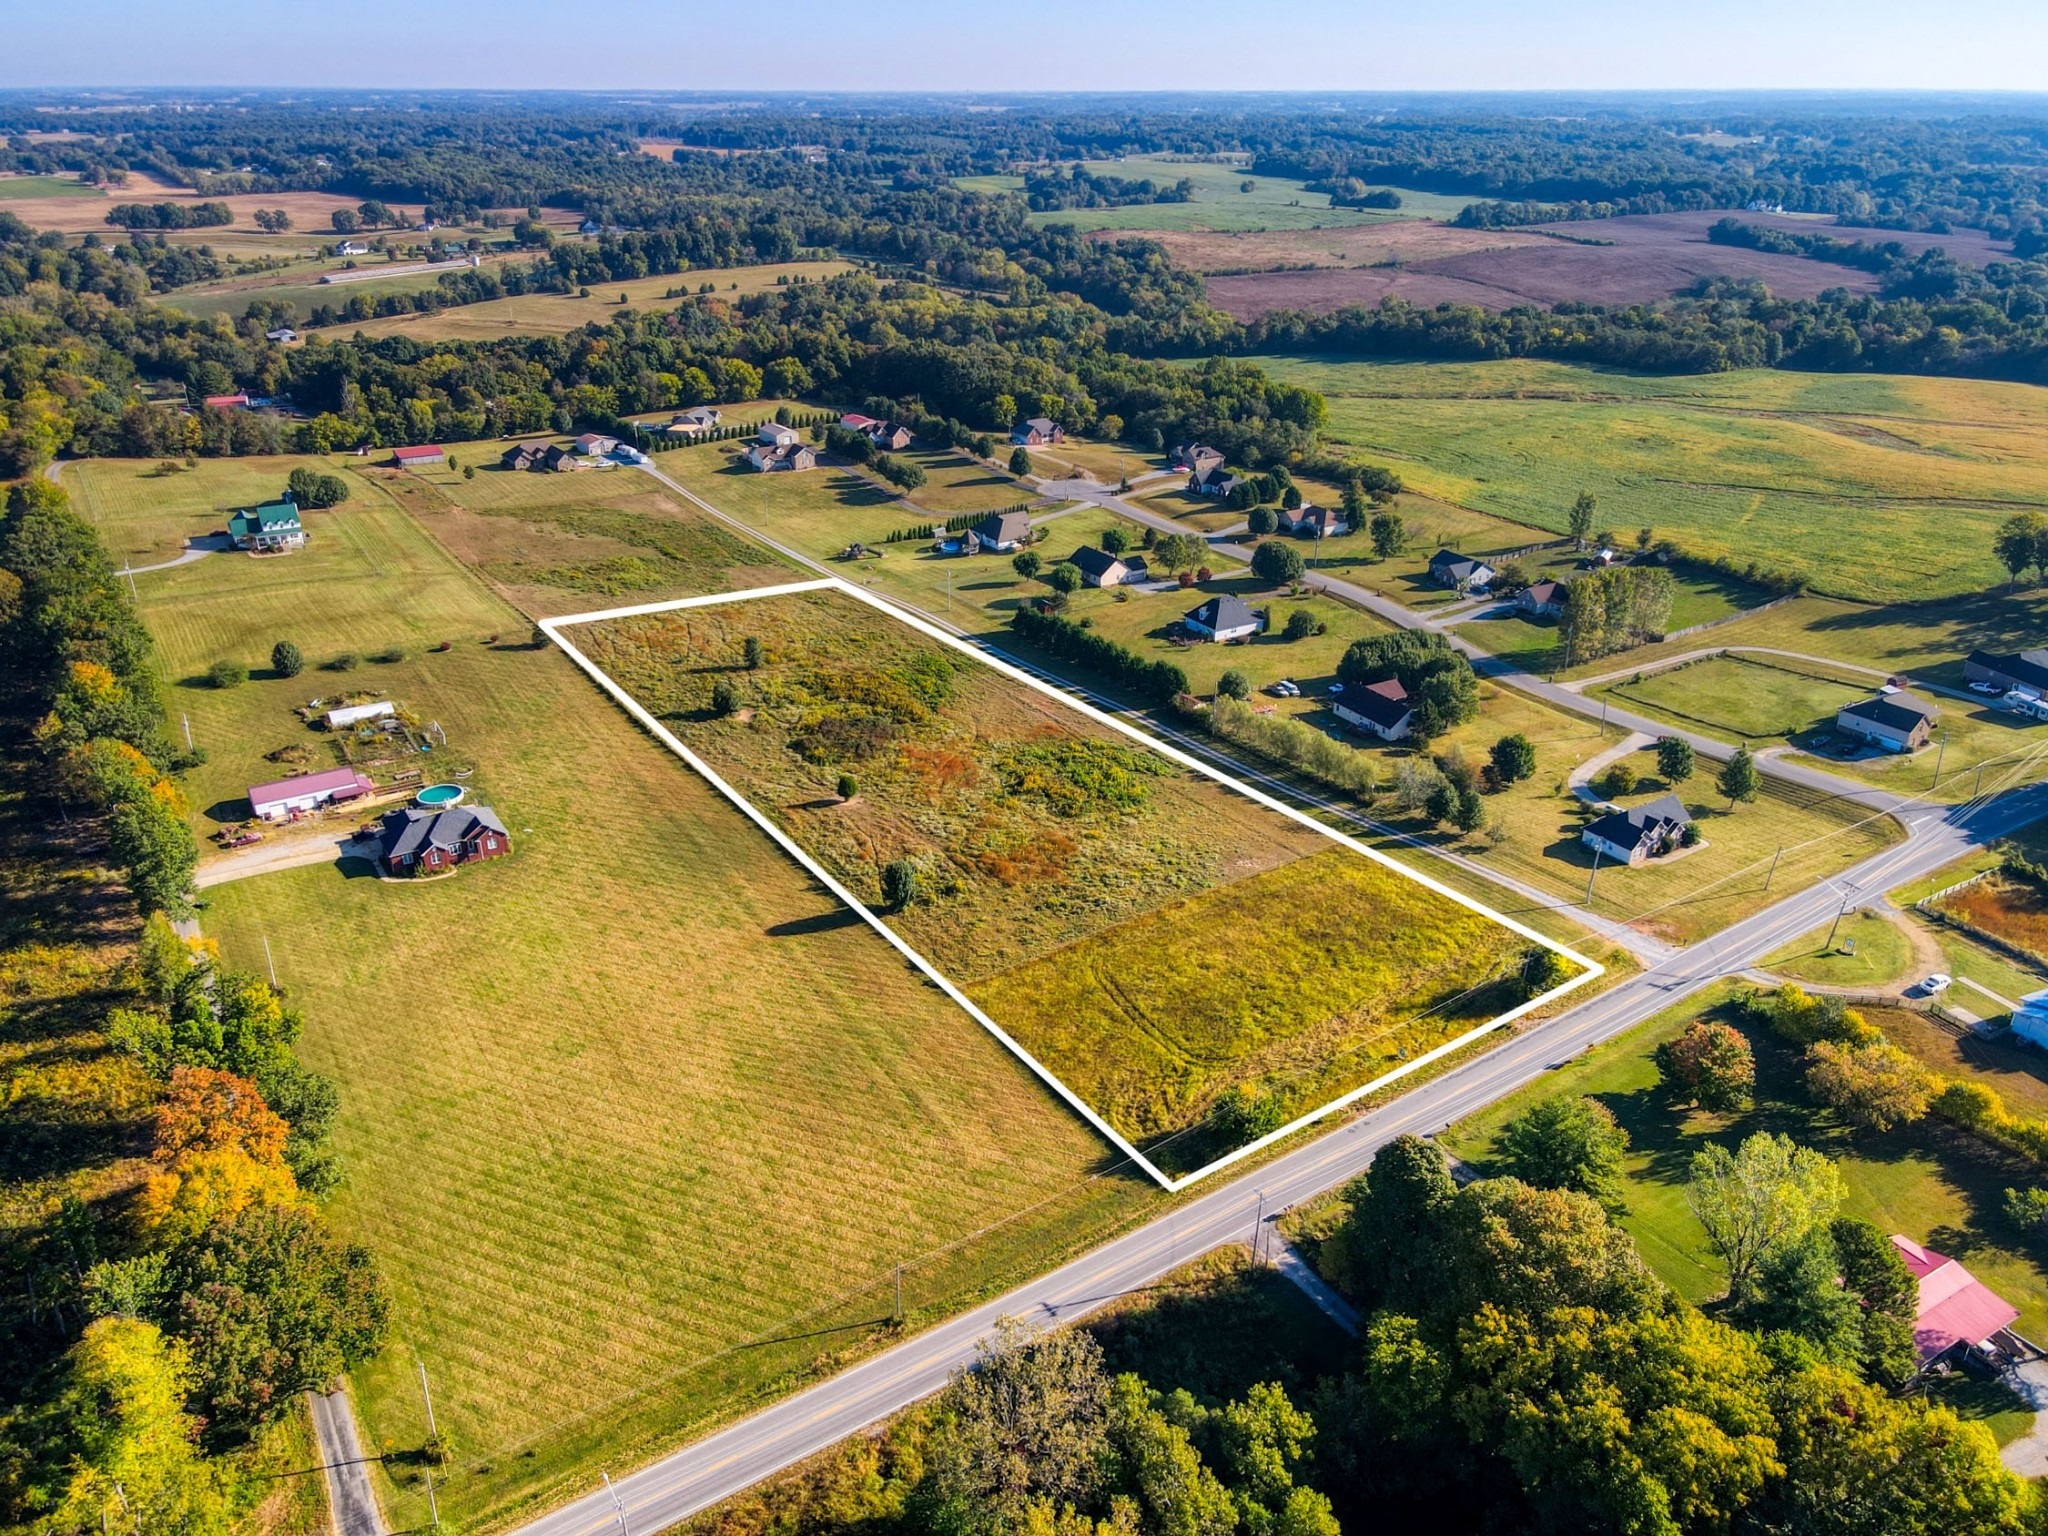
1145	933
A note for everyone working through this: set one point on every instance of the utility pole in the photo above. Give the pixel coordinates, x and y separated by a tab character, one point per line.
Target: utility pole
188	729
428	1398
899	1293
1259	1227
1774	866
273	982
617	1506
433	1505
1836	924
1940	751
1590	874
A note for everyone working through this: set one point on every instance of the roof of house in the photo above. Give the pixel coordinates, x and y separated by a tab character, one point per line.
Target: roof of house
776	432
2026	667
264	518
1003	527
425	451
1221	613
590	442
1546	591
225	400
775	453
699	413
1896	710
410	830
1642	825
326	782
1042	425
1208	470
1195	454
859	423
1955	1306
1448	562
1093	561
1384	704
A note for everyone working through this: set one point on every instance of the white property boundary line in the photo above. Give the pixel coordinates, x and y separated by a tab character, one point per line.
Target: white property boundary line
1589	969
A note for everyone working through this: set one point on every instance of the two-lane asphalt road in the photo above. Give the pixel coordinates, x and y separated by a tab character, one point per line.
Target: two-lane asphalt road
711	1470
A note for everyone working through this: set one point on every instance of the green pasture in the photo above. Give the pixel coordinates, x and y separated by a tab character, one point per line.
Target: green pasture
1222	203
1872	488
45	186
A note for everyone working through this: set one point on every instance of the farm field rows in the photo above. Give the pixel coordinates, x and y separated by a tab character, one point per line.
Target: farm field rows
1075	885
1750	467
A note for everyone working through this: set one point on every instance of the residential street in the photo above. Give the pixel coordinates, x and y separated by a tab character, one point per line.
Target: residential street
350	1500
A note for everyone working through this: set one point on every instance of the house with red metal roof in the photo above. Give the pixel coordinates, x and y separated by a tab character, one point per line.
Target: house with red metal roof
235	402
419	458
1957	1311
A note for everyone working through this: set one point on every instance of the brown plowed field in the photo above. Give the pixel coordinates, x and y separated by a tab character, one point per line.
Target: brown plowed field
1641	259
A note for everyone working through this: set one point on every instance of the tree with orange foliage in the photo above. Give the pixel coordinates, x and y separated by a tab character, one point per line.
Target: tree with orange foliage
219	1150
205	1110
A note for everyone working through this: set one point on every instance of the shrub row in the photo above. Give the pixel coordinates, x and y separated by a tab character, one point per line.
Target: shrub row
1159	681
1294	744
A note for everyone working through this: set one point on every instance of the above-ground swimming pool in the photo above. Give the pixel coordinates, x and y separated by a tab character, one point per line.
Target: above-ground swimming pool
438	797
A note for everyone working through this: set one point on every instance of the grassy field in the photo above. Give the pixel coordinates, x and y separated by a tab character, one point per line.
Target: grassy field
1226	197
1750	466
553	314
368	579
12	187
1920	1181
1867	950
601	1151
1742	698
1033	832
2009	910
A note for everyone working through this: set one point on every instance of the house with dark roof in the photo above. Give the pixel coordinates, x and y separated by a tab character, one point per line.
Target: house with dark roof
1221	619
1640	833
1037	432
1210	478
1542	599
1461	573
1954	1312
1891	718
415	841
1309	521
267	529
997	534
1381	708
790	455
1098	567
2028	670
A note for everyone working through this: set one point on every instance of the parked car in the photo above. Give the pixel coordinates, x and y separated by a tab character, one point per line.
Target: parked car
1937	984
1285	689
1990	688
1335	689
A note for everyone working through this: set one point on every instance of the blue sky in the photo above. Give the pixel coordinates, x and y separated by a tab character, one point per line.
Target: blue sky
1050	45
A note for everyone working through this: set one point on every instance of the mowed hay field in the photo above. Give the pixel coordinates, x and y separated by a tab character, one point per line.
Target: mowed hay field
1870	487
368	578
553	314
1154	938
1226	197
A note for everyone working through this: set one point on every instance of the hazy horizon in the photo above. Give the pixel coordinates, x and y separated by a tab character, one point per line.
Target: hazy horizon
921	46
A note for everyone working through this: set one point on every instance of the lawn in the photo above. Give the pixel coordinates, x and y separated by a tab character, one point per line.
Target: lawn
1866	950
1035	833
1227	198
368	579
1930	1184
1759	466
1738	697
555	314
603	1102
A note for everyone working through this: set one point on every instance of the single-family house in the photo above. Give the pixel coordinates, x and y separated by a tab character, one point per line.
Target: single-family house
854	421
2028	670
997	534
2030	1020
774	434
589	227
1542	599
1891	718
1640	833
1194	456
234	402
790	455
425	457
1380	708
308	792
1461	573
354	714
694	422
595	445
411	840
890	436
1210	478
556	459
268	528
1220	619
522	456
1955	1312
1309	521
284	335
351	248
1037	432
1098	567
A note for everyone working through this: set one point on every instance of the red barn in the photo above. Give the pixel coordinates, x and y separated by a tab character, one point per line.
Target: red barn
419	458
